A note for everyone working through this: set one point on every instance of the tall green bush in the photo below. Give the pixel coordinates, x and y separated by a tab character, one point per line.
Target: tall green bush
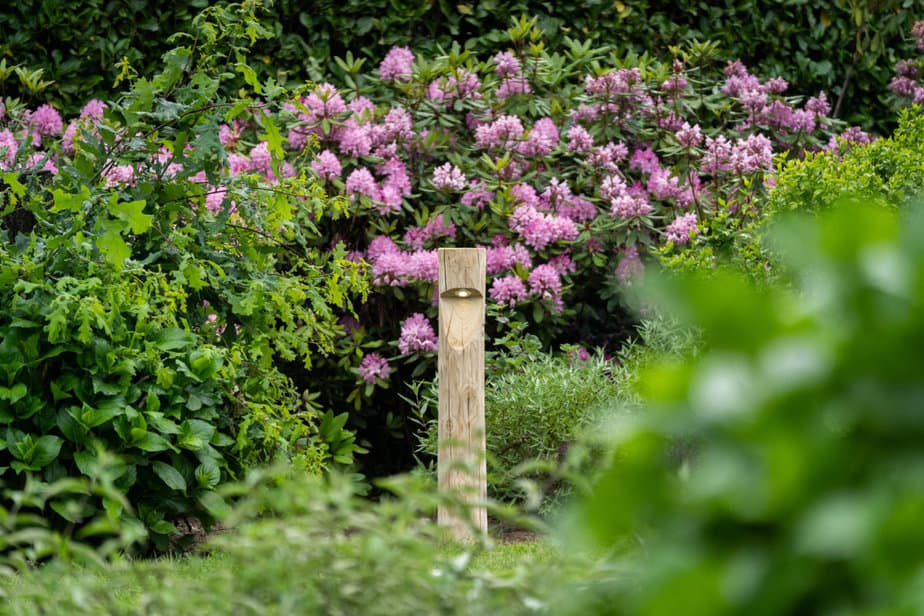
144	318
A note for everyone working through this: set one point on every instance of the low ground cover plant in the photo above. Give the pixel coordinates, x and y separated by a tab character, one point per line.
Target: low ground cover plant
341	554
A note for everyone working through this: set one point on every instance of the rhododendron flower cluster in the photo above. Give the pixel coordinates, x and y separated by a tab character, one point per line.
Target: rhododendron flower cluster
397	65
566	192
908	82
374	367
680	230
448	177
417	335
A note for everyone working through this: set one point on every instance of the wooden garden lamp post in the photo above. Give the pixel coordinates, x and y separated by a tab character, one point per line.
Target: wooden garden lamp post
461	464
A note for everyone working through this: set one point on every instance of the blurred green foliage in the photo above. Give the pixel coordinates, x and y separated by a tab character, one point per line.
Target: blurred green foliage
800	490
310	546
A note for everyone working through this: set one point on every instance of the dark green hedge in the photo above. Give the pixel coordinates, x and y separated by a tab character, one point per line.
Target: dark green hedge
845	47
79	43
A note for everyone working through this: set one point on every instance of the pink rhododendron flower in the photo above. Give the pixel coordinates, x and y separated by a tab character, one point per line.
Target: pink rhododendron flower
541	139
46	120
361	182
662	185
545	282
577	209
512	86
508	291
261	160
238	164
918	30
506	64
119	174
818	105
630	266
381	245
645	160
354	139
607	157
46	160
326	165
8	148
563	264
448	177
324	102
680	230
374	367
397	65
538	229
93	110
505	258
504	132
579	140
689	136
477	195
461	85
417	335
417	237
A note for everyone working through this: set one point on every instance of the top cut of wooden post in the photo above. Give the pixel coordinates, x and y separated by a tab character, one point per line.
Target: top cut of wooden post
461	462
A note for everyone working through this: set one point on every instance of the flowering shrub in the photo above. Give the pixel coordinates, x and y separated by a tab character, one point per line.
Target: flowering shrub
571	168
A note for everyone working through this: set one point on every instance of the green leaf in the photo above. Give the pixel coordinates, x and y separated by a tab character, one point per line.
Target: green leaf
214	504
205	363
174	338
250	76
221	440
86	463
11	179
169	476
107	409
71	510
131	212
46	450
69	202
14	393
163	527
152	442
97	527
113	247
195	434
208	474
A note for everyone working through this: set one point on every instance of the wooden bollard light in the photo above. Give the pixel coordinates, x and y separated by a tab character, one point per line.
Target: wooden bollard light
461	464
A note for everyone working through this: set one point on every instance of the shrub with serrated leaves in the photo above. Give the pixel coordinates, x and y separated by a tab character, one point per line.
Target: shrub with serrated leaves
889	171
144	318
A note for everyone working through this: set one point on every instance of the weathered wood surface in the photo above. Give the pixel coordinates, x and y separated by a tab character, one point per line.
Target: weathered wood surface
461	464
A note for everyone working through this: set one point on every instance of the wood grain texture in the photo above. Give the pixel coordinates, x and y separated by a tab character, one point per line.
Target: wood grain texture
461	464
